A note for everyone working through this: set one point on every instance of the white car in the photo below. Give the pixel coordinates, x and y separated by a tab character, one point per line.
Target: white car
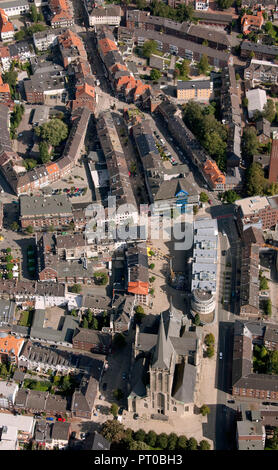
220	355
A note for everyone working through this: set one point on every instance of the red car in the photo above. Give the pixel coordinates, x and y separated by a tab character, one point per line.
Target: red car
61	419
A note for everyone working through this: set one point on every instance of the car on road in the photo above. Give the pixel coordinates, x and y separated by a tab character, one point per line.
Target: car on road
220	355
274	404
20	135
73	435
224	252
230	401
124	376
265	403
104	387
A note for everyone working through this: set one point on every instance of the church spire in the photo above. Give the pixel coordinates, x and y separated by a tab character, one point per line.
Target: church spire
163	349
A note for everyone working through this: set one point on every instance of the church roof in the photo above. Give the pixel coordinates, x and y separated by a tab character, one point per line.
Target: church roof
163	350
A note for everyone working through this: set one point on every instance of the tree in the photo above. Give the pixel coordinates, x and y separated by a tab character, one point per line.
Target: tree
250	142
149	48
210	351
14	226
224	4
114	409
140	435
76	288
205	410
119	340
43	149
152	266
245	102
182	443
19	35
66	383
141	4
85	323
10	77
94	324
138	445
204	197
203	64
112	430
256	182
237	76
230	196
101	278
185	68
268	308
162	440
155	74
30	163
151	438
172	441
204	445
195	210
269	111
197	320
53	131
29	229
118	395
263	283
192	444
34	13
9	275
209	339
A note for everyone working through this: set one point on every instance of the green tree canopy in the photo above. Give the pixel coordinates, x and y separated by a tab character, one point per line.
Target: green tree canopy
224	4
205	410
43	149
256	182
204	197
140	435
230	196
203	65
250	142
182	442
155	74
162	440
114	409
269	111
192	444
53	131
204	445
209	339
112	430
149	48
34	13
151	438
138	445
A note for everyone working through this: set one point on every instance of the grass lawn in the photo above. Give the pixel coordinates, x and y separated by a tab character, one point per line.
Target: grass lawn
26	318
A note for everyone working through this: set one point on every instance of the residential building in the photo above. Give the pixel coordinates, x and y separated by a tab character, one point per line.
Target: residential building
7	312
61	13
178	46
24	427
10	347
42	433
99	442
215	178
8	391
6	27
256	101
199	90
15	7
250	23
46	88
43	211
190	145
122	312
60	434
167	188
92	341
40	116
250	435
43	40
261	71
116	160
263	130
126	86
33	401
204	268
5	60
258	211
137	280
273	165
21	50
109	15
71	47
201	5
216	38
252	240
212	18
171	362
245	381
85	95
5	94
62	336
1	215
258	51
83	399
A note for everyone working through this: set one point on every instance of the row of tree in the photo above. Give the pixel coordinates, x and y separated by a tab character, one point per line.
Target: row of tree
122	438
209	131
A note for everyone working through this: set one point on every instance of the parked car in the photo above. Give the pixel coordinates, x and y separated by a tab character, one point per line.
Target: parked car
124	376
73	435
274	404
135	416
104	387
231	401
220	355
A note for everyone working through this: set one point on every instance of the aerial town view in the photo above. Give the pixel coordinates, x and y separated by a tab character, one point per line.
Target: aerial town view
138	225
